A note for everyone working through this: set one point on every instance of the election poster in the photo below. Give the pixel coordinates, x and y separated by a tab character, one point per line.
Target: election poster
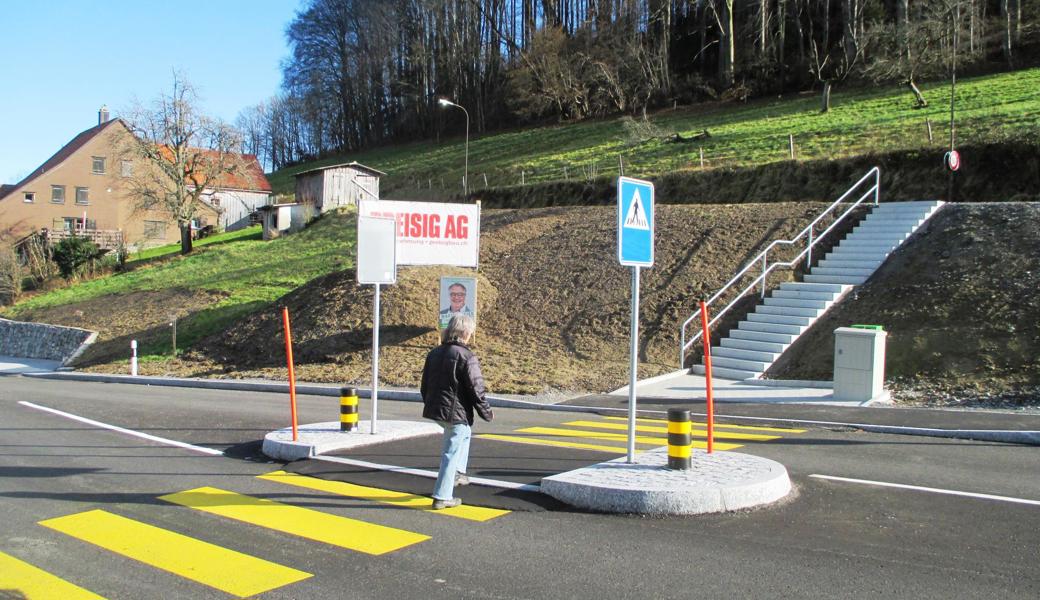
458	297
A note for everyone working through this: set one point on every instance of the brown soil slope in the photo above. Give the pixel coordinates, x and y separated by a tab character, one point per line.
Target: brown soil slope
553	303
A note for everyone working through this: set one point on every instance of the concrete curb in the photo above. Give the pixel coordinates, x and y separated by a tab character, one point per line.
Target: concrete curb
1029	437
717	482
318	438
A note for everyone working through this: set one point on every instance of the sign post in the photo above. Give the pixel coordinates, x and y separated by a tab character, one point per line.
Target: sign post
376	264
635	249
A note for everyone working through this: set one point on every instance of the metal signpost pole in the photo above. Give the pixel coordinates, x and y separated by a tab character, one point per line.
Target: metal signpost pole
375	362
633	366
636	250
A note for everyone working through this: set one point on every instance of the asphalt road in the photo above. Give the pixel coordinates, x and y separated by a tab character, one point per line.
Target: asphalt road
94	488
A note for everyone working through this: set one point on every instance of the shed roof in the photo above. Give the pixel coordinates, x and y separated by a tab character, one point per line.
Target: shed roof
353	165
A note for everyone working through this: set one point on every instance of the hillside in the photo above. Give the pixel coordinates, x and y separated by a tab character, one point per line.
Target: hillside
990	109
553	306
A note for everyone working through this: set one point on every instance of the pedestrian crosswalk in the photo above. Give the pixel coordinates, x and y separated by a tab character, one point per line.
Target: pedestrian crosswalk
590	434
229	571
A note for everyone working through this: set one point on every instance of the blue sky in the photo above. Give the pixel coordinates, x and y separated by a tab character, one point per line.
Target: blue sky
60	60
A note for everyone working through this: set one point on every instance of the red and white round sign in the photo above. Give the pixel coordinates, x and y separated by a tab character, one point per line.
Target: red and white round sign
952	160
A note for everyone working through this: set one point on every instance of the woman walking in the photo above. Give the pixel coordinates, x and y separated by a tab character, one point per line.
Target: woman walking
452	389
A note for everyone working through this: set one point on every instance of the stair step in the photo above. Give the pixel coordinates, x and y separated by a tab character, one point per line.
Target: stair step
845	280
842	271
847	244
764	327
732	342
912	220
818	305
878	235
783	294
756	366
761	336
742	354
759	317
722	373
848	263
853	254
807	286
787	311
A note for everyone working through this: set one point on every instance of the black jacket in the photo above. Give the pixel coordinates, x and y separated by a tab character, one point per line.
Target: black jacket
452	385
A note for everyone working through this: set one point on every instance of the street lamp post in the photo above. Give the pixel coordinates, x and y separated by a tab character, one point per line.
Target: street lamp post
465	176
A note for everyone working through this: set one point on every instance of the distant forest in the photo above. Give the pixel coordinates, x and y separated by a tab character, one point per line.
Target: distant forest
368	72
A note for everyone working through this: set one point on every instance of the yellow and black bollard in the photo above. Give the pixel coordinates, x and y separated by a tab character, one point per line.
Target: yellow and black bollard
680	439
348	409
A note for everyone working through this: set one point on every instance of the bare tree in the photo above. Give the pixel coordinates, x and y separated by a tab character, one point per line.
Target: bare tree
179	156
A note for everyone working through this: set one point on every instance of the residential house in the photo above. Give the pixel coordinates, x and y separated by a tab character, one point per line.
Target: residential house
85	188
333	186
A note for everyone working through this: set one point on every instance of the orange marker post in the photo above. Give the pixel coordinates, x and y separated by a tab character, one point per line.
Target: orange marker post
707	374
292	376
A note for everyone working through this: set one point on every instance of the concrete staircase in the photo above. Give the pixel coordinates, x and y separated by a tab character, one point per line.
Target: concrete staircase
790	310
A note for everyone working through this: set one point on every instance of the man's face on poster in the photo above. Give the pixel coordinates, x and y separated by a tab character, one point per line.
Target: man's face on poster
457	297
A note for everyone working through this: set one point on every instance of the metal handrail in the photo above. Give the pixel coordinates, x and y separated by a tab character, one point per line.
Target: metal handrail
767	268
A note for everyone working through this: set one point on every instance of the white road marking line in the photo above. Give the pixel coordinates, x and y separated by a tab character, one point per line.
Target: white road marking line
928	489
509	485
139	434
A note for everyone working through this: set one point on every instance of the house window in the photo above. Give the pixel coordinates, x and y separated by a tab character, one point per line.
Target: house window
29	197
98	165
155	230
58	194
82	195
126	168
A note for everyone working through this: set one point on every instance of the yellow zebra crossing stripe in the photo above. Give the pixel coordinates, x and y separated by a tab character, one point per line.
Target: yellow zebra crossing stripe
342	488
596	435
516	439
31	582
717	425
304	522
226	570
656	429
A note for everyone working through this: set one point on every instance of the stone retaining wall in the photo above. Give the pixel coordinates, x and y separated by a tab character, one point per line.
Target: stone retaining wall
39	340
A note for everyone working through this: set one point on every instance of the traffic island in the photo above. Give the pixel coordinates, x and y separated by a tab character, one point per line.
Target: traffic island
717	482
319	438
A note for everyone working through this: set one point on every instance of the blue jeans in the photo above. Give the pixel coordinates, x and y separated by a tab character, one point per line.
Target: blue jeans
454	458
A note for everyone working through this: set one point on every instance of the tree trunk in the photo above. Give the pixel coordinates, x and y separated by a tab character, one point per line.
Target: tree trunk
185	237
921	102
1006	20
726	43
825	98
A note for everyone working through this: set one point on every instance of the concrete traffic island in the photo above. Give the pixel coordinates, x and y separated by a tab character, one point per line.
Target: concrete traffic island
717	482
318	438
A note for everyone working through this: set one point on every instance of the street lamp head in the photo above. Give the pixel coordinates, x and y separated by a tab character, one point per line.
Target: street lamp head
445	102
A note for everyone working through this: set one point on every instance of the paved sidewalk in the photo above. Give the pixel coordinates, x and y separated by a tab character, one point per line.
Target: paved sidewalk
682	384
10	365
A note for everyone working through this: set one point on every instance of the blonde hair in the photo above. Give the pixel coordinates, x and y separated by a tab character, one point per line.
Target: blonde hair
460	329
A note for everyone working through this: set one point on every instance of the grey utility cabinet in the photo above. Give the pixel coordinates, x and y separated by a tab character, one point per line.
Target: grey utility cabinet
859	364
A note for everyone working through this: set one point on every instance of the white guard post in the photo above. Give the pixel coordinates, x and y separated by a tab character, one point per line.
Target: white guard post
635	249
133	357
377	264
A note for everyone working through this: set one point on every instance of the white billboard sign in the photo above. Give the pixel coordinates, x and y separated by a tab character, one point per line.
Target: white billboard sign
375	251
431	233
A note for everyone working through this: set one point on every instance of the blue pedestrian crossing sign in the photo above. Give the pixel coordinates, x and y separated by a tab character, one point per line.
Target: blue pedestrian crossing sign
635	222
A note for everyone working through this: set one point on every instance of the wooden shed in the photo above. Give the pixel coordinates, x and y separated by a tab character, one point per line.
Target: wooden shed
330	187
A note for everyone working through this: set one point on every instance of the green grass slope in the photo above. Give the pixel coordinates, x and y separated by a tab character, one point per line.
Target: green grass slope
239	275
991	108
